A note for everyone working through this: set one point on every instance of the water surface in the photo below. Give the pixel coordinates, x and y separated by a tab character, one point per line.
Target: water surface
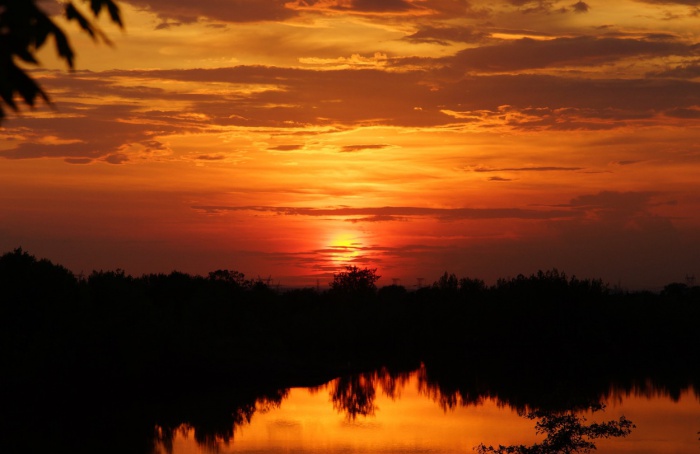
406	414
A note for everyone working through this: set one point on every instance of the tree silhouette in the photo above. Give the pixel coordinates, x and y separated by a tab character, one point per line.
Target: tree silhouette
25	28
566	434
232	277
355	282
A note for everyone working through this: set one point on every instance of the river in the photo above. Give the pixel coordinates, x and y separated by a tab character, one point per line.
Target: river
407	414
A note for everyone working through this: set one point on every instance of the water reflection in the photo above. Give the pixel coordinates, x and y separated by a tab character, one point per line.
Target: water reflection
565	433
481	415
355	395
441	409
212	422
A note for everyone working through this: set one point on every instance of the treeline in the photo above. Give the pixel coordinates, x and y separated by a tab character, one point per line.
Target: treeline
141	329
110	344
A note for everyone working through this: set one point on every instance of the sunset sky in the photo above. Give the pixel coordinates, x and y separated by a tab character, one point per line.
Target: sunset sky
290	138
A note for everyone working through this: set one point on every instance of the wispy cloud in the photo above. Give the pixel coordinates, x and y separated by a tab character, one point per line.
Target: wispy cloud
355	148
526	169
395	212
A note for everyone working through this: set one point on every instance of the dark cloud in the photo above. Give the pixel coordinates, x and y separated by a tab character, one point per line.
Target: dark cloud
500	179
117	158
685	113
445	35
688	71
223	10
372	94
78	160
626	162
536	6
614	236
355	148
672	2
209	157
396	213
527	169
523	101
377	6
613	200
527	53
286	147
605	100
520	31
451	9
377	218
580	7
79	151
88	132
174	12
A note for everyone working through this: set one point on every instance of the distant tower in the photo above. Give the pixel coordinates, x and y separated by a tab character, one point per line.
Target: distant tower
420	282
395	281
690	280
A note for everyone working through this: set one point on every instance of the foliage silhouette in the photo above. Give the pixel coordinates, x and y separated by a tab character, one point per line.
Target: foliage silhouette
26	28
355	282
566	433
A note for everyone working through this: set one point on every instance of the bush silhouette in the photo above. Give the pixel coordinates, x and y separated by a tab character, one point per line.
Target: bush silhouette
355	282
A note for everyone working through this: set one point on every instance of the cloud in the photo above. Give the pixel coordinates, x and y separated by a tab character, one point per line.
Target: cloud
688	71
210	157
619	203
573	103
323	262
500	179
685	113
355	148
285	98
628	162
609	234
286	147
78	160
445	35
395	213
580	7
376	6
117	158
527	53
536	6
222	10
527	169
377	218
671	2
174	12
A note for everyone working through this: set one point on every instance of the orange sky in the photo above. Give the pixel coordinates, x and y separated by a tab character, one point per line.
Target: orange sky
288	138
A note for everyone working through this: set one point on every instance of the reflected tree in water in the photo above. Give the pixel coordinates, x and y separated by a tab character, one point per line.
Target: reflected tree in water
566	434
213	423
355	395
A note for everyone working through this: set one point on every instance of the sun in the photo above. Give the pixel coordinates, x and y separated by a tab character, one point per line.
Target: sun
344	249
